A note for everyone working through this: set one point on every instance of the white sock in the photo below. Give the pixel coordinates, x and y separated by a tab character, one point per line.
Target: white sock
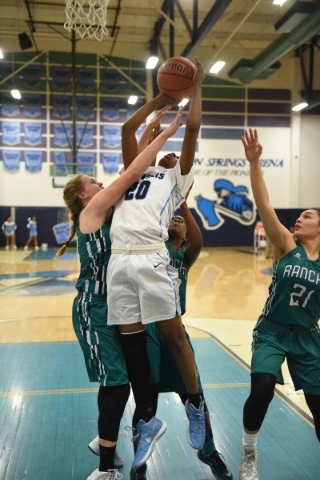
249	441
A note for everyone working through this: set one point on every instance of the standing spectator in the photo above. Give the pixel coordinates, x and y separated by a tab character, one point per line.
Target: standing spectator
33	234
9	228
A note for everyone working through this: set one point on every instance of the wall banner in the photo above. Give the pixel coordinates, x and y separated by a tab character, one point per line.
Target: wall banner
33	133
86	158
61	107
33	161
32	75
11	160
32	105
60	158
85	107
84	134
61	77
11	133
110	162
85	78
111	136
110	109
110	80
62	135
9	106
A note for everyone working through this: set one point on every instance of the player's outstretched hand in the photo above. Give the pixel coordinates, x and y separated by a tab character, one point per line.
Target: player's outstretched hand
199	75
252	147
173	127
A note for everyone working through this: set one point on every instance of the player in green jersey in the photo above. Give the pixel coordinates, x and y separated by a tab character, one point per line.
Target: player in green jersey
288	326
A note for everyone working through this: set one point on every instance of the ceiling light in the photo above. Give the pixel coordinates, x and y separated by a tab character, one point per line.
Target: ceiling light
152	62
183	102
299	107
217	67
133	100
1	54
16	94
278	2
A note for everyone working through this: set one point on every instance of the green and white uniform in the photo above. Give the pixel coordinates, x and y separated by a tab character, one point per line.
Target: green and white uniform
163	366
100	343
288	327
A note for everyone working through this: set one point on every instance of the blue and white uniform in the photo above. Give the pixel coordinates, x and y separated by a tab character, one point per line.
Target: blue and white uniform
32	225
142	285
9	228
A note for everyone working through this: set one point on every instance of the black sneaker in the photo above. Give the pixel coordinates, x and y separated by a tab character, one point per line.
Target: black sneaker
216	462
140	473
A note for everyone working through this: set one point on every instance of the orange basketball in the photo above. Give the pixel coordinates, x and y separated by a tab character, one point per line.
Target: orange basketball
175	78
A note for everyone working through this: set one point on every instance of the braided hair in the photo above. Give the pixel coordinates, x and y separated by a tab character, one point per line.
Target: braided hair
71	192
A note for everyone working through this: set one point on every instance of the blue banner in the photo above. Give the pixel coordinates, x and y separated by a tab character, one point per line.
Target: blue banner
61	77
138	77
11	133
110	162
9	106
33	133
110	109
62	135
85	78
11	160
85	107
110	80
6	69
33	161
61	107
32	105
111	136
84	134
32	75
61	232
85	157
60	158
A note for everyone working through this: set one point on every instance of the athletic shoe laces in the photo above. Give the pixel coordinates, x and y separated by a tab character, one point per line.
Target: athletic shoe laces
250	462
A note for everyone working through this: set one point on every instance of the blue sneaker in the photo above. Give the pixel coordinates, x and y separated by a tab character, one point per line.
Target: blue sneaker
196	432
147	436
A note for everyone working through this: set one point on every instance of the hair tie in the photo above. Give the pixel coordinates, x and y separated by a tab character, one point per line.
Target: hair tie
67	243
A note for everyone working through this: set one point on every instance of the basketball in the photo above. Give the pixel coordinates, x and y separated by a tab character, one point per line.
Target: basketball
175	78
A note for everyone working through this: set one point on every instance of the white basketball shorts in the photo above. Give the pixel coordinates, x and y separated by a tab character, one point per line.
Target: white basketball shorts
142	288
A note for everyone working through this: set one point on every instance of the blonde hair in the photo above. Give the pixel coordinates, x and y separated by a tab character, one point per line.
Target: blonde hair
71	192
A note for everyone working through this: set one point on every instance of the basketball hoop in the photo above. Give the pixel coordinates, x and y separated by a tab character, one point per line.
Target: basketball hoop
87	17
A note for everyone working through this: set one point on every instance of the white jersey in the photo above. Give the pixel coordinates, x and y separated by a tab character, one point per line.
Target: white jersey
9	228
144	212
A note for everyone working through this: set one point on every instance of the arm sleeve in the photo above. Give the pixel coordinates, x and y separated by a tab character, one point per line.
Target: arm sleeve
184	181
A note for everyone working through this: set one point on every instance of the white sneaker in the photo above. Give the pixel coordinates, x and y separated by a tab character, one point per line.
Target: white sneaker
36	248
6	247
94	447
26	247
14	247
109	475
248	468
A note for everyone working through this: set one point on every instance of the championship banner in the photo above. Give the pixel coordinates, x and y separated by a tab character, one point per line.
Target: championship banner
32	105
61	77
85	157
110	80
9	106
59	158
32	75
6	69
33	133
11	133
11	160
110	109
62	135
61	107
111	136
85	78
84	135
110	162
85	107
138	77
33	161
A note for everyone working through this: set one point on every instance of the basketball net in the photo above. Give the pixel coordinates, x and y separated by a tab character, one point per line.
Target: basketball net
87	17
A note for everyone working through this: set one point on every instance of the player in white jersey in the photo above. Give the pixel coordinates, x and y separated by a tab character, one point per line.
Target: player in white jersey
9	227
142	285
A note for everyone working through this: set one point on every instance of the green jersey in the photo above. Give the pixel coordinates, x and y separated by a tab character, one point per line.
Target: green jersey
178	261
94	252
294	293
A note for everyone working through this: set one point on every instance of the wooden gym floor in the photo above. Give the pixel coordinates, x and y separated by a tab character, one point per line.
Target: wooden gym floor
48	409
